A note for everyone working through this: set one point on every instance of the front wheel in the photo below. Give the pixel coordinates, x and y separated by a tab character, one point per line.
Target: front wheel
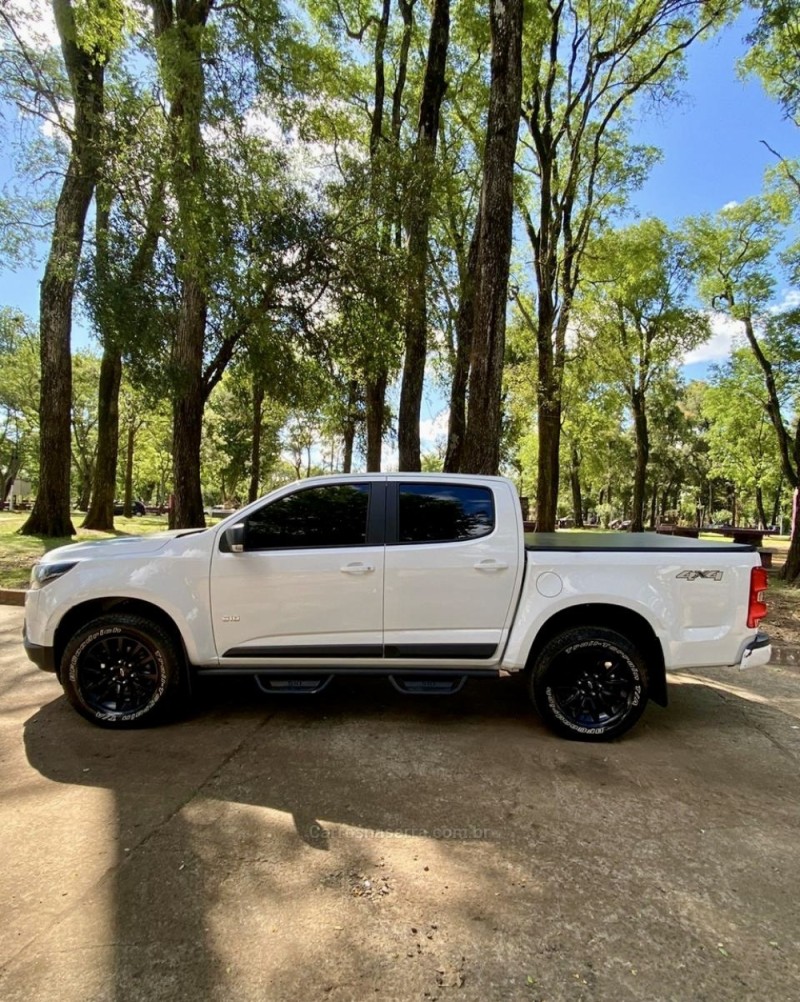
589	684
120	670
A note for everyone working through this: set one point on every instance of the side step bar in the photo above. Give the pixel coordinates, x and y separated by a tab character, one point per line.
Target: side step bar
292	686
415	685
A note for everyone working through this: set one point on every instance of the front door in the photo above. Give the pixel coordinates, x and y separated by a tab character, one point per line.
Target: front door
309	584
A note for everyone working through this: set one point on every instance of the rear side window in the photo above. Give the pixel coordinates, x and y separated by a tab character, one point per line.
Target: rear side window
441	513
317	516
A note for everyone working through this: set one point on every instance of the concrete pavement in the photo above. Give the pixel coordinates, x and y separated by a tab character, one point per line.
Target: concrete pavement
362	844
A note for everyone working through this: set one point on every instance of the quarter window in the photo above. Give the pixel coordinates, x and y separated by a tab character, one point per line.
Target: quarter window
440	513
316	516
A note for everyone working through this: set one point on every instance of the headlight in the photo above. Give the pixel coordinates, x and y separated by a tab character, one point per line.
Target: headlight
44	573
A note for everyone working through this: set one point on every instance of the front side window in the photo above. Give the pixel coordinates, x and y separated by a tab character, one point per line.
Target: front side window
316	516
440	513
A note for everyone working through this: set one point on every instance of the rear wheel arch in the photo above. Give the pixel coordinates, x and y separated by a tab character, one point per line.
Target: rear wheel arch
613	617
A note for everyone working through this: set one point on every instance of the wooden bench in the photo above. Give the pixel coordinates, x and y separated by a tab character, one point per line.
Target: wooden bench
687	531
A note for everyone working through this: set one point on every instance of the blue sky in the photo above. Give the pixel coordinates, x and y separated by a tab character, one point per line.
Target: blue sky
712	149
712	141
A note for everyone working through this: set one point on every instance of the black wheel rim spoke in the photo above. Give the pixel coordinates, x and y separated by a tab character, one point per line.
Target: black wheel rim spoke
118	675
593	691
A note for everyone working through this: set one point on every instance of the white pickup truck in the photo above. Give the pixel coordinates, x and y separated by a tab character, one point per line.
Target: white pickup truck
426	579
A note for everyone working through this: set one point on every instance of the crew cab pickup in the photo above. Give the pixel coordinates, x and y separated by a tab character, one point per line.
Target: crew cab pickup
426	579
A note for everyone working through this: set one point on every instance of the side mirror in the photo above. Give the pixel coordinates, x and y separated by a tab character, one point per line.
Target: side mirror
235	537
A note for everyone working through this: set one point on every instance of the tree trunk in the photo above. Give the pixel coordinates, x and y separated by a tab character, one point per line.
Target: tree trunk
495	217
187	408
376	410
653	503
86	488
776	508
101	508
350	422
376	131
182	65
762	515
548	471
788	446
255	451
575	481
642	458
416	313
457	422
791	568
10	474
127	503
85	69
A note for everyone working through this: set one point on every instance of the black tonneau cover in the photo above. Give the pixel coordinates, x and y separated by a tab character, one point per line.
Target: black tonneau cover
626	542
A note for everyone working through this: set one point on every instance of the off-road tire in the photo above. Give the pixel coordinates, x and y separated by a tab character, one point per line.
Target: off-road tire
121	670
589	683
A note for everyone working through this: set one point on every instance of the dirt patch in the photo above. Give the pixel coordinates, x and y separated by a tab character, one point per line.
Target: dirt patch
783	600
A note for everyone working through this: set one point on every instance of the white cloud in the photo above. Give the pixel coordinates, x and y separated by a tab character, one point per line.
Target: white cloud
730	205
790	300
34	23
433	430
725	334
311	162
390	458
53	128
259	123
432	435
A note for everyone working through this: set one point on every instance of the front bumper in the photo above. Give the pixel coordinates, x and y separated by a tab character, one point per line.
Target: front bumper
757	653
42	657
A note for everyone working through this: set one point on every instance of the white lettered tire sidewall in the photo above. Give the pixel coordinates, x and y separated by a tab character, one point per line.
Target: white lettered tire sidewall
543	677
145	632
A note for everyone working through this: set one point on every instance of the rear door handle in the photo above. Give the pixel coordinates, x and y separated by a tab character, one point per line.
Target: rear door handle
491	565
357	569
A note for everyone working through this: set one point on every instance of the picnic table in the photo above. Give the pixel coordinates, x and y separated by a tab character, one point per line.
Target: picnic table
743	534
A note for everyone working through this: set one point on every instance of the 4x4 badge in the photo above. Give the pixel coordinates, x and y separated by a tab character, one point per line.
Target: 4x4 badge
706	575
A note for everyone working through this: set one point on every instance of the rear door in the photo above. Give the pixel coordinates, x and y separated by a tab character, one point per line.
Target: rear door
451	570
309	584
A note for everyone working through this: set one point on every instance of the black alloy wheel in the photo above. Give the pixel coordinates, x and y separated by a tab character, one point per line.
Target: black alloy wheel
118	674
120	670
590	684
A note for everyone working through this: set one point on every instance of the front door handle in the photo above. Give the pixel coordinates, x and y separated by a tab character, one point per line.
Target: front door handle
357	569
491	565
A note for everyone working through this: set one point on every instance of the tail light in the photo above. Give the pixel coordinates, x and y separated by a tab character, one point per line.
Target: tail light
757	606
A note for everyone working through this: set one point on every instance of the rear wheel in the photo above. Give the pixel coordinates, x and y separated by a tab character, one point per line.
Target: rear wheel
590	684
121	670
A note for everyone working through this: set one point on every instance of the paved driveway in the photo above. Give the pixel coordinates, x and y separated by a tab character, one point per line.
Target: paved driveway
363	844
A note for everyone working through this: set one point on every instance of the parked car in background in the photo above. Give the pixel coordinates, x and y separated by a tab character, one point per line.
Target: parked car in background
220	510
137	508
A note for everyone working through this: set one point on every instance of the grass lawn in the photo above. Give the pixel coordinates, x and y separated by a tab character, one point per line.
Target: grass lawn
19	553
